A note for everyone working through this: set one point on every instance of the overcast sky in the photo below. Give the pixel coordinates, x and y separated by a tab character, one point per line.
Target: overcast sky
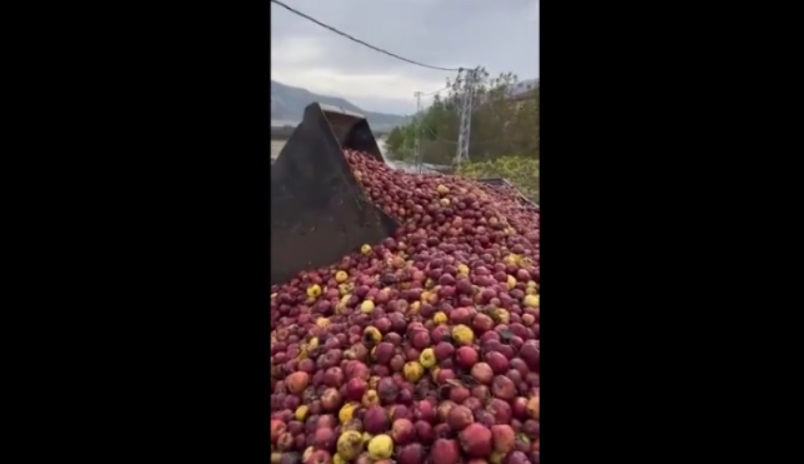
502	35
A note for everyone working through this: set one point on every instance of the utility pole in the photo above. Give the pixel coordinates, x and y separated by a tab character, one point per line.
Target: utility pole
417	147
465	121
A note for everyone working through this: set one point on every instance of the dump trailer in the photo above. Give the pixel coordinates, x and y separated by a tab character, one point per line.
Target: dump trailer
501	182
318	210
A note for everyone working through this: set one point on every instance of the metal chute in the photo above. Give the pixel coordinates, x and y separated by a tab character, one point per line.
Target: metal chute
318	210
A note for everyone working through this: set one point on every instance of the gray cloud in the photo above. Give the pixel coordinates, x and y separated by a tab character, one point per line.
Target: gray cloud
501	35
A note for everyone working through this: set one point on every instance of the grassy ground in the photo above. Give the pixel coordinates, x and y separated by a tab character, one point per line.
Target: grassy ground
522	172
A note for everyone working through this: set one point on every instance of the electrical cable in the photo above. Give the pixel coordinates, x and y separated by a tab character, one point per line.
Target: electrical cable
432	132
365	44
427	94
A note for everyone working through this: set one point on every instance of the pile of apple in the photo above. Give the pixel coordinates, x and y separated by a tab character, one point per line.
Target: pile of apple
421	349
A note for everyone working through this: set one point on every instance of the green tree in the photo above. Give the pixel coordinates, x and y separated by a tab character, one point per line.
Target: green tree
501	125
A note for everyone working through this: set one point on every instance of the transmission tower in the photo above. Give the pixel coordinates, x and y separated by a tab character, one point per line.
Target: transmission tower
417	146
465	121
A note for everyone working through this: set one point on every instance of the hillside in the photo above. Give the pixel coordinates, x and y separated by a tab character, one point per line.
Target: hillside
288	103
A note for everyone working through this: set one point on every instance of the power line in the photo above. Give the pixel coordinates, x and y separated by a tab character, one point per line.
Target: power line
418	96
432	132
427	94
354	39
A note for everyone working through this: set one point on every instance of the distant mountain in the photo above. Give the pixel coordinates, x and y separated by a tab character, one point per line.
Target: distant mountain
288	103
